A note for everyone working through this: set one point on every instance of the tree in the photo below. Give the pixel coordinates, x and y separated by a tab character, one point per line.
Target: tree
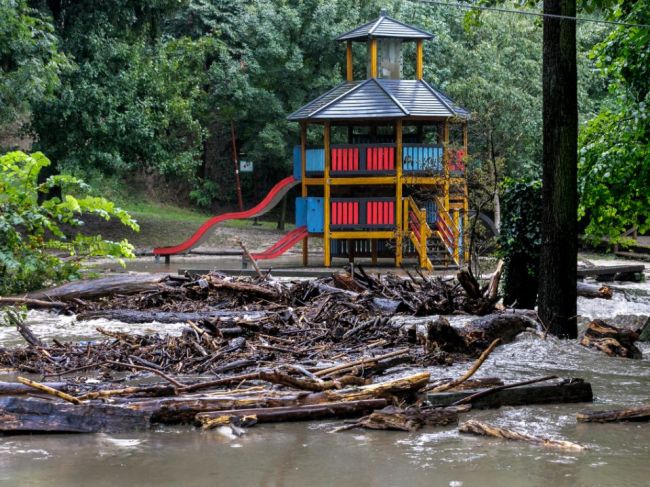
559	255
614	169
37	245
30	63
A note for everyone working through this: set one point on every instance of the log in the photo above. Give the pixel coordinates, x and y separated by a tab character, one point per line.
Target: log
472	370
136	316
566	391
18	389
105	286
21	415
409	419
483	429
31	303
593	291
184	409
615	342
469	284
243	288
505	326
641	413
298	413
48	390
24	330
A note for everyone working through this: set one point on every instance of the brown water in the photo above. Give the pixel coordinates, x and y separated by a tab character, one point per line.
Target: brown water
300	454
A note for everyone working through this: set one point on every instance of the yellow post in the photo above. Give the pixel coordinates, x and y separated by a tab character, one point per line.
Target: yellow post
399	224
445	161
348	61
327	257
465	199
303	177
456	236
419	59
373	58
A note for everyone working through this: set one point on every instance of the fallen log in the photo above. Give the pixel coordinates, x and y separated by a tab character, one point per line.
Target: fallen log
615	342
49	390
137	316
298	413
483	429
505	326
94	288
184	409
24	330
472	370
409	419
20	415
566	391
594	291
18	389
31	303
641	413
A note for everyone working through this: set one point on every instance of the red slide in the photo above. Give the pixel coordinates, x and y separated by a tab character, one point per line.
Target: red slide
282	245
270	200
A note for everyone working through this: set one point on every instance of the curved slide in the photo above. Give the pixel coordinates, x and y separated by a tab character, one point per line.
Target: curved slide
270	200
282	245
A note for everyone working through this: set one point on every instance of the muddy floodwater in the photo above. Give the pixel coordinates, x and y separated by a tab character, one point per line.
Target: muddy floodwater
306	454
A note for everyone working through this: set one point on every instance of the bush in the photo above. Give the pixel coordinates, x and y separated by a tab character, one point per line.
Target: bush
35	246
520	240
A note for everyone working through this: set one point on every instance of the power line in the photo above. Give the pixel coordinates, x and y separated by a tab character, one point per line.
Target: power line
532	14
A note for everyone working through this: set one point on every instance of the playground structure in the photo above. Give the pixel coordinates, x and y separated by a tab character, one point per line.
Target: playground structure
381	163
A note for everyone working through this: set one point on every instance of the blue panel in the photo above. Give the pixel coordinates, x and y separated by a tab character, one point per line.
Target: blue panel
315	215
297	170
432	212
315	160
422	158
301	212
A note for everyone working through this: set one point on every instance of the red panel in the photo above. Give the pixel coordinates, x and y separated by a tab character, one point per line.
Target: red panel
355	162
356	213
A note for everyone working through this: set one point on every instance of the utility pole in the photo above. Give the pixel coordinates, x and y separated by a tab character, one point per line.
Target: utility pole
240	201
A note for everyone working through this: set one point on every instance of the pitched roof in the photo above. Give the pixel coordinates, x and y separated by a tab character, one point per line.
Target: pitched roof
384	26
380	98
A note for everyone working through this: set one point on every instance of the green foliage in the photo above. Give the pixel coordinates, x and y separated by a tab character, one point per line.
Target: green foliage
520	240
35	245
614	165
30	62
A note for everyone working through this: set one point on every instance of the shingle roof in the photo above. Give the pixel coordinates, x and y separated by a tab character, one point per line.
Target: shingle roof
380	98
385	26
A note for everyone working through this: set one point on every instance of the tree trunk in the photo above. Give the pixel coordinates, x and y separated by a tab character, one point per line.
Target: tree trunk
558	262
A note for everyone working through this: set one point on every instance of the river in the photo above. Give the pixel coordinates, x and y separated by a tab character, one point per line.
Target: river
297	454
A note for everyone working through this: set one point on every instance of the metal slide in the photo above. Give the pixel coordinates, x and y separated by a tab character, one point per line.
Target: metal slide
270	200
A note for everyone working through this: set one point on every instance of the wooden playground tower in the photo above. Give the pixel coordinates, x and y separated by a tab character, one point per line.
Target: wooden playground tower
388	178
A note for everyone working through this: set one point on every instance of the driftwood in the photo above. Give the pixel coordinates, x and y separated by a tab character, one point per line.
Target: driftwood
472	370
31	303
409	419
49	390
137	316
565	391
20	415
594	291
505	326
24	330
615	342
641	413
483	429
18	389
94	288
295	413
184	409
